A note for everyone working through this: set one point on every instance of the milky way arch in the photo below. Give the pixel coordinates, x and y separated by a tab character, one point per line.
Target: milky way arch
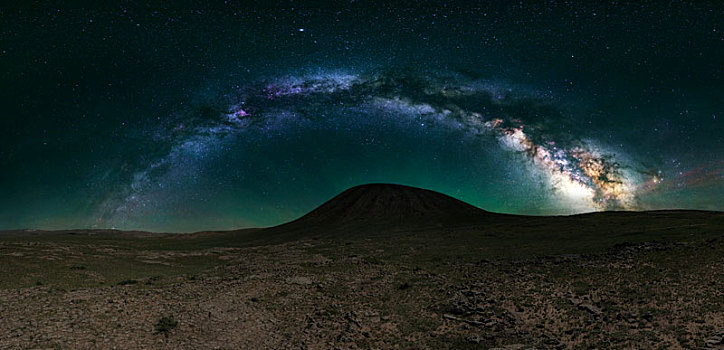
581	173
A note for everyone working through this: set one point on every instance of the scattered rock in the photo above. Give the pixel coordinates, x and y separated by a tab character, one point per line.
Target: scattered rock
714	342
299	280
514	347
593	309
470	322
474	339
590	308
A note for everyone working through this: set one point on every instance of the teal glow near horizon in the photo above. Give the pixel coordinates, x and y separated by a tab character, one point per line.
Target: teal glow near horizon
255	116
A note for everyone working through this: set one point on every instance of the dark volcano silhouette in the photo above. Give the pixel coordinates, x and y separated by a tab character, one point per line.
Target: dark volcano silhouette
385	207
379	210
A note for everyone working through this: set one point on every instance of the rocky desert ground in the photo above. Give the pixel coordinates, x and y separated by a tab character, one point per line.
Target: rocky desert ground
326	294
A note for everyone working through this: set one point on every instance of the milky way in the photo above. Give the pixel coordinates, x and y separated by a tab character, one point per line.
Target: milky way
580	174
189	116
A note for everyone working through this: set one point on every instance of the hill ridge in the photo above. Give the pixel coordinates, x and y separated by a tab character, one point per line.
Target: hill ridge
384	207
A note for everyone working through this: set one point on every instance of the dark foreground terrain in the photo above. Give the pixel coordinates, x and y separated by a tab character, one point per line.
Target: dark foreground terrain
377	267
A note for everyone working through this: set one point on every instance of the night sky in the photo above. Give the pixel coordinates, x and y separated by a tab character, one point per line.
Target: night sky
183	119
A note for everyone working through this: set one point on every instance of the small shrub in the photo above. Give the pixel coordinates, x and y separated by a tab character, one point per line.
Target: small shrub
165	324
153	279
127	282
